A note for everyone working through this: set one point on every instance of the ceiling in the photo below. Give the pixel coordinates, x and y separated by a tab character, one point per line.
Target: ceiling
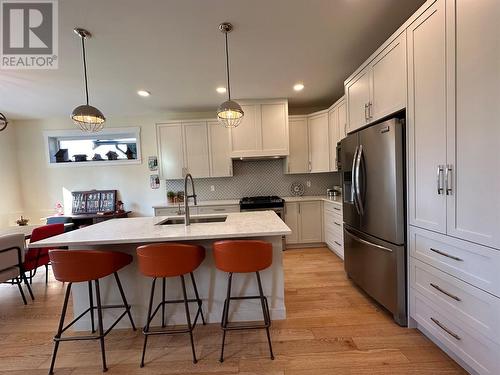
174	49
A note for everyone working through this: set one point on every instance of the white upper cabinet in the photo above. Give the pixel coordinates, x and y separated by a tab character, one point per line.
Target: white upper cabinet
196	160
342	118
336	129
274	128
298	160
379	89
263	130
220	150
319	151
427	119
389	80
171	150
357	93
197	147
473	155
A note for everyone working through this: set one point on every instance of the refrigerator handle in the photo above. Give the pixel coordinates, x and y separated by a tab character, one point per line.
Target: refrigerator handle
356	238
357	185
353	179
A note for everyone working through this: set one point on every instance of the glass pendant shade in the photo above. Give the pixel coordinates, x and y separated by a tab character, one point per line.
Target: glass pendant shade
230	114
88	118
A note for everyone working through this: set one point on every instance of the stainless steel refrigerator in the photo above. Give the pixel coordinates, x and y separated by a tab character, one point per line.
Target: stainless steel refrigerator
373	170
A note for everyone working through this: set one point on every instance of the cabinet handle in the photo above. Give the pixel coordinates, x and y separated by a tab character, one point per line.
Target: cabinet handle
336	208
446	255
338	243
370	106
366	111
449	184
438	288
439	174
337	223
310	166
299	207
447	330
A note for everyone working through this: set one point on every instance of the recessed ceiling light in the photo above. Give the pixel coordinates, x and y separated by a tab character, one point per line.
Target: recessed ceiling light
221	90
298	87
143	93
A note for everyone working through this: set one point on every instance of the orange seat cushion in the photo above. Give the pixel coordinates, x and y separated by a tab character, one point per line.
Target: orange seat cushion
169	259
242	256
85	265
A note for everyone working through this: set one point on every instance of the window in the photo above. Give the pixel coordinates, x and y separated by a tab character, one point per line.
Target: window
112	145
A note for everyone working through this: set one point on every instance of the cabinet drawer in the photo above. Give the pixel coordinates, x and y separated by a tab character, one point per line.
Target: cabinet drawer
333	207
217	209
475	264
474	349
474	307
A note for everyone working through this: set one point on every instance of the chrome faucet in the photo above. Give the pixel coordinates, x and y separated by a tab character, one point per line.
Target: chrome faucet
187	220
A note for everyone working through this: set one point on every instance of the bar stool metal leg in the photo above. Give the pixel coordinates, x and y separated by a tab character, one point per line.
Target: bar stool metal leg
91	303
20	286
163	303
146	328
198	299
24	278
225	315
99	322
188	317
265	313
124	299
59	330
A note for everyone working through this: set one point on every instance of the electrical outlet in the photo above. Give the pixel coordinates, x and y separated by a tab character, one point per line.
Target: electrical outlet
212	188
308	183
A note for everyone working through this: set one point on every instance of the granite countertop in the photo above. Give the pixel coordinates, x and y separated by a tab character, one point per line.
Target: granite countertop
145	230
337	199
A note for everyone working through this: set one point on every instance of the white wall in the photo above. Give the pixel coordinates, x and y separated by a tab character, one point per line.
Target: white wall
42	185
11	206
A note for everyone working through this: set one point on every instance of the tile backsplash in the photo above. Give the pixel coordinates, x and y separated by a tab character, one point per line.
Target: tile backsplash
257	177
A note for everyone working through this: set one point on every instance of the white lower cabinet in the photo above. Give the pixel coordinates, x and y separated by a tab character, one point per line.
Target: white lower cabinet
454	297
306	222
333	227
197	210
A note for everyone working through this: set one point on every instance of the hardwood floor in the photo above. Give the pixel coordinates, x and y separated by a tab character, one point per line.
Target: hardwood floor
331	328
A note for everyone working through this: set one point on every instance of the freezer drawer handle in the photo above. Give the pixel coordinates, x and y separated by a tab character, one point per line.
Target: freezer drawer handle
438	288
447	255
368	242
447	330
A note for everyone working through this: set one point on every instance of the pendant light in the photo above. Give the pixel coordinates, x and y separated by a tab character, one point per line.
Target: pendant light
88	118
229	113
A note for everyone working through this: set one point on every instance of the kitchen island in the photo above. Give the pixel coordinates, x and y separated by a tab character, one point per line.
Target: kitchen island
125	235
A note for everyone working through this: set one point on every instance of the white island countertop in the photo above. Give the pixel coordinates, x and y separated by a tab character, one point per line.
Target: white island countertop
145	229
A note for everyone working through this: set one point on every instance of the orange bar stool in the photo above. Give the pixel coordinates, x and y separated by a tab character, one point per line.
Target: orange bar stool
70	266
170	260
244	256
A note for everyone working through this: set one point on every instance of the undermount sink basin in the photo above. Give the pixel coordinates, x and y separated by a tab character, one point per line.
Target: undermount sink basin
194	220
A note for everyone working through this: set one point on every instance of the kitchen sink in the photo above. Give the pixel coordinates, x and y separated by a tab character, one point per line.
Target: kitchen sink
194	220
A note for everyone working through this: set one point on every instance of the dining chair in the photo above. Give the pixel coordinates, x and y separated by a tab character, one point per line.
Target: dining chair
11	262
38	257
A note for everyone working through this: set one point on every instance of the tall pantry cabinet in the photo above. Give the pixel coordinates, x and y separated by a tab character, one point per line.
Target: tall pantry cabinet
454	131
453	51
